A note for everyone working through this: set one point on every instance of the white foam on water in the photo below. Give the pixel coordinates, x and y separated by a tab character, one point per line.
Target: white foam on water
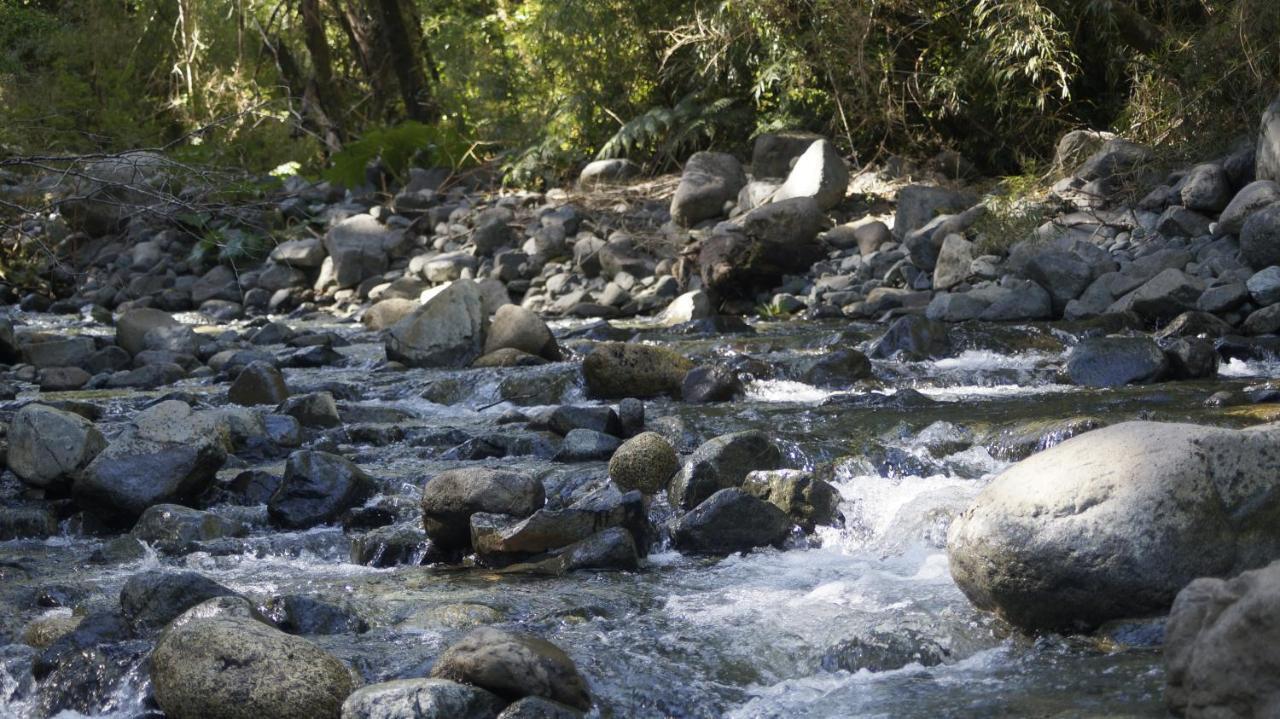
959	392
1236	367
976	360
781	390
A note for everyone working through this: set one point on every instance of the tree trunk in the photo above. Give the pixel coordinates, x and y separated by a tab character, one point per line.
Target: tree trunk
404	42
321	85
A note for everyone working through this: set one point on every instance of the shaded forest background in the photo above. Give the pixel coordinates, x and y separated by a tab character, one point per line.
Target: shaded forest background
536	88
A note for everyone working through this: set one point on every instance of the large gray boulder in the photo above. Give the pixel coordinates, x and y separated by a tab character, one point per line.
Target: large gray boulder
730	521
132	327
451	497
109	191
152	599
605	172
514	327
239	668
1260	238
174	529
918	204
169	455
721	463
1113	523
421	699
1267	165
818	173
317	488
754	251
446	331
1251	198
774	153
1222	647
47	446
514	666
359	248
710	180
1205	189
1116	361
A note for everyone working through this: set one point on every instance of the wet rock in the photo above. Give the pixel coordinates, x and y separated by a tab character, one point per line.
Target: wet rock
47	447
500	540
1116	361
315	409
451	497
837	368
884	650
81	670
1251	198
710	181
65	352
646	462
514	327
730	521
818	173
567	418
316	489
753	252
301	614
169	461
1220	646
1191	358
914	336
722	463
421	699
132	327
239	668
120	550
1194	324
259	383
43	631
614	370
446	331
808	501
587	445
152	599
631	416
711	383
392	546
1260	238
174	529
1068	538
61	379
539	708
514	666
27	523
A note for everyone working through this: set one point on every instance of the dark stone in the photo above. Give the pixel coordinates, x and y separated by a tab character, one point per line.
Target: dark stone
731	521
316	489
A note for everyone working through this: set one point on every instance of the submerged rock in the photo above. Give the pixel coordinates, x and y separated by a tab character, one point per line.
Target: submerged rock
421	699
174	529
514	666
731	521
1116	361
1112	523
316	489
807	500
239	668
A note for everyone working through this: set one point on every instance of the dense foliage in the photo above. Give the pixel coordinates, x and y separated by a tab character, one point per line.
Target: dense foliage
544	85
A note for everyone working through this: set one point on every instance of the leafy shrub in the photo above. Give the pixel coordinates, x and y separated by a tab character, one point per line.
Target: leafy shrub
399	147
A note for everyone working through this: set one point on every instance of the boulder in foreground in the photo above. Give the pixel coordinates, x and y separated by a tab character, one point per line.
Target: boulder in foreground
1112	523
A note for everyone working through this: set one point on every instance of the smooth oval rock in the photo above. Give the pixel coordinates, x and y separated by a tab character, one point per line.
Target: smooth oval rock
1113	523
645	462
238	668
514	666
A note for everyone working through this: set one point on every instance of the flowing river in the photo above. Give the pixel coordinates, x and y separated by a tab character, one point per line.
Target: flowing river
752	636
